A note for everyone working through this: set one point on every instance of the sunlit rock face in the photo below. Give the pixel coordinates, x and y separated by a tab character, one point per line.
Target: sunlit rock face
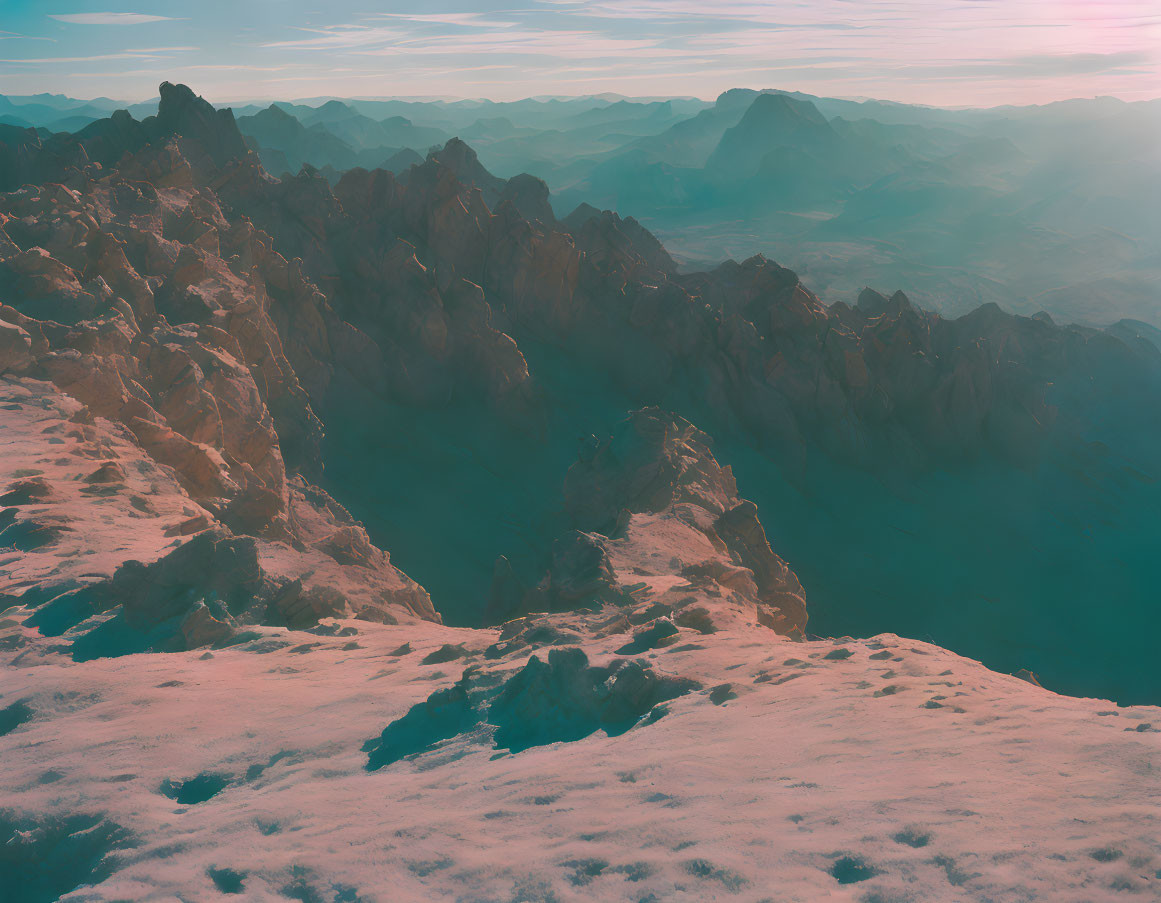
139	336
217	680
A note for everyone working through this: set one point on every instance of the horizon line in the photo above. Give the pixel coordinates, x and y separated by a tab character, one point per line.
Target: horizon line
546	98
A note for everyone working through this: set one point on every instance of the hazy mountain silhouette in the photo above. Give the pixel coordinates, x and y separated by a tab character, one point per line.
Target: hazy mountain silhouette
1031	207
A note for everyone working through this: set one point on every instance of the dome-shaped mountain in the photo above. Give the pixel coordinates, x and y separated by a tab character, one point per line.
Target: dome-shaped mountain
772	120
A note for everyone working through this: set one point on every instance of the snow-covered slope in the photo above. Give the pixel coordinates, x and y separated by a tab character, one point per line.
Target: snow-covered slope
871	770
676	739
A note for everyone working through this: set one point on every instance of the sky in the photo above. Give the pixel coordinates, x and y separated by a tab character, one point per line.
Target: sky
942	52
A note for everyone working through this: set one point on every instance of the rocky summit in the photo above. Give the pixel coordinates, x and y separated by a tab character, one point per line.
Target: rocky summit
381	535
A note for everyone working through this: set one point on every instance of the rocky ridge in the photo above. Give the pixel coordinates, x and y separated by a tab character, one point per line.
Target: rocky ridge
149	312
146	311
444	271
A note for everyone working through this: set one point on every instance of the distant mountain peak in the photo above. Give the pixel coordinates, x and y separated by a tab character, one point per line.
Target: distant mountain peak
771	121
581	215
735	97
781	107
273	113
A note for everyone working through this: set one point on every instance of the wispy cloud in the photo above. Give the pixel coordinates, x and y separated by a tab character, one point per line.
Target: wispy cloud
164	50
142	55
54	60
1030	67
930	51
759	12
109	18
466	20
389	41
16	36
338	37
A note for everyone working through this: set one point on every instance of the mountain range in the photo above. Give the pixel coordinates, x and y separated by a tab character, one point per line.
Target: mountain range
1033	208
337	502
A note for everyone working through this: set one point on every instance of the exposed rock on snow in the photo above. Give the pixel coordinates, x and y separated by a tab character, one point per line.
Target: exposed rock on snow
560	700
959	784
567	699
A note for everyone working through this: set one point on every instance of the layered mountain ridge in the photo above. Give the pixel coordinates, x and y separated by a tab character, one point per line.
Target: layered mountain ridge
420	293
1034	208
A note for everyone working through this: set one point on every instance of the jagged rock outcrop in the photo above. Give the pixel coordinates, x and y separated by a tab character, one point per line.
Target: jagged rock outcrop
660	528
143	298
209	588
619	244
529	195
565	698
653	461
560	700
195	596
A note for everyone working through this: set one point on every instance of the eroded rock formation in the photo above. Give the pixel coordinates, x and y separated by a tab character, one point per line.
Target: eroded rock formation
160	317
656	516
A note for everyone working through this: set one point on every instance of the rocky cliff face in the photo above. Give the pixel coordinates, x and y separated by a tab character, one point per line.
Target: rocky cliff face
656	518
160	318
